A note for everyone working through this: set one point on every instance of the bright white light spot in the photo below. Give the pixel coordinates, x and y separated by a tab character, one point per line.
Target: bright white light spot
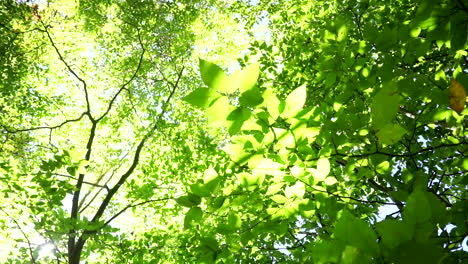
67	202
46	250
385	210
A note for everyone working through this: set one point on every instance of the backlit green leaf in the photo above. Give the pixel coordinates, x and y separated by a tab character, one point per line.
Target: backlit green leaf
248	77
211	74
201	97
294	102
272	103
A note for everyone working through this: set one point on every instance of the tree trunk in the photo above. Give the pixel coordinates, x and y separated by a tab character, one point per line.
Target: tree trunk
74	255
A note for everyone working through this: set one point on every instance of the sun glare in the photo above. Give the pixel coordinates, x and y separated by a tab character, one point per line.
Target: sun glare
46	250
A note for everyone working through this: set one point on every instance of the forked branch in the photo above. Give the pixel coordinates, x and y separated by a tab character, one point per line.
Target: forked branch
124	86
83	82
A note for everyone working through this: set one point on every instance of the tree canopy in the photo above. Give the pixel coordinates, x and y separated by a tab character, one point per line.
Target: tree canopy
205	131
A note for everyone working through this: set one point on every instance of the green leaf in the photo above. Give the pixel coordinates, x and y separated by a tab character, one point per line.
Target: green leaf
417	252
330	180
278	198
248	179
200	190
218	112
251	97
189	200
458	31
72	170
275	188
395	232
417	209
238	117
439	214
325	251
265	166
248	77
201	97
296	190
212	75
234	220
357	233
193	216
209	175
390	134
272	103
184	201
294	102
210	242
323	169
414	33
385	105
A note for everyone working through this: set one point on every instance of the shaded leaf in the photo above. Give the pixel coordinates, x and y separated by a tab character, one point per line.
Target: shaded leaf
357	233
385	105
201	97
390	134
193	216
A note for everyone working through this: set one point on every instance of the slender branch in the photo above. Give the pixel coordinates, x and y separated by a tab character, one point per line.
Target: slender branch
124	86
33	260
387	191
78	246
396	155
88	106
358	21
299	242
346	197
85	182
447	203
275	248
105	184
136	158
132	206
45	127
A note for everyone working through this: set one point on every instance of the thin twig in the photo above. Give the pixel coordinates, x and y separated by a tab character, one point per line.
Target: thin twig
88	106
85	182
132	206
124	86
33	260
45	127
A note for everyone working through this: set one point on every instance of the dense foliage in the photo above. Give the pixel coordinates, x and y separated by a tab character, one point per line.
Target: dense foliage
130	135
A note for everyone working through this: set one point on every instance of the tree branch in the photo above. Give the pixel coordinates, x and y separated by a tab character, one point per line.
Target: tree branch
364	155
45	127
88	107
299	242
79	184
105	184
346	197
33	260
123	87
132	206
85	182
136	158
